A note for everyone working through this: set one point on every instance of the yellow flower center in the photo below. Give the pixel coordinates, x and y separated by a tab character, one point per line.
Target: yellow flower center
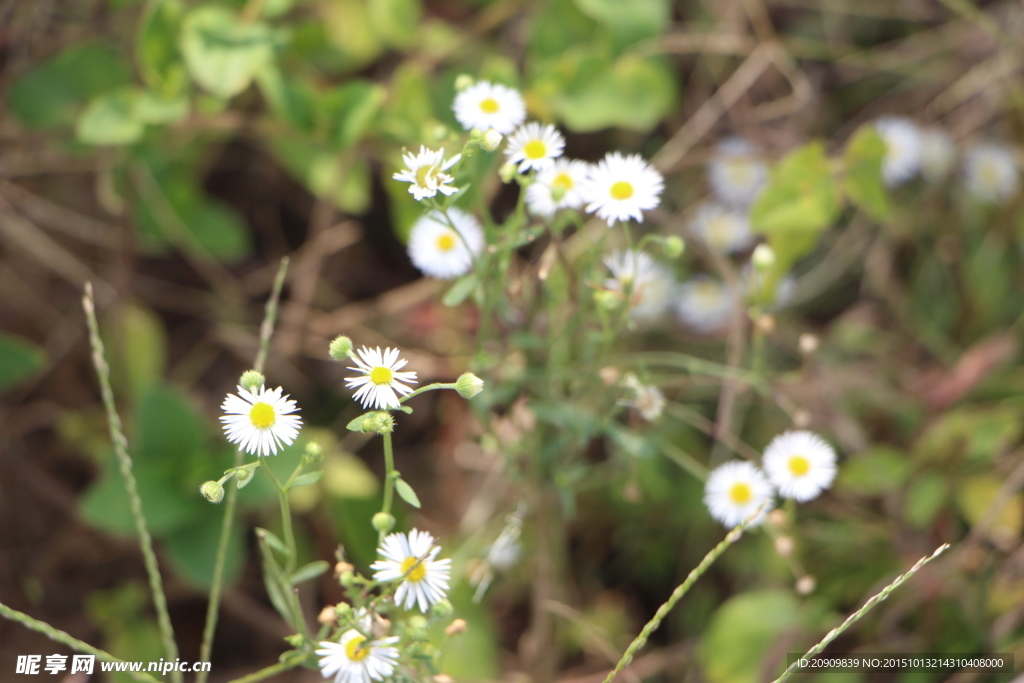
989	174
353	649
425	175
740	493
621	190
489	106
417	574
563	180
262	415
739	171
799	465
535	149
707	294
381	375
446	242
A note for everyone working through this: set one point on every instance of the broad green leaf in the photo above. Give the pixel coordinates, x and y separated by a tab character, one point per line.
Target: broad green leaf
350	109
51	94
168	428
140	348
976	433
271	539
976	495
346	180
557	25
461	290
409	107
629	22
874	472
406	492
394	21
105	504
863	181
291	99
192	551
926	495
309	571
153	109
801	196
111	120
19	360
347	25
307	478
223	53
160	61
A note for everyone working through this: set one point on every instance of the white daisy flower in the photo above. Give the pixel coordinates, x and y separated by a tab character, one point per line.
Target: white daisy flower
621	187
440	250
411	560
724	229
260	422
426	172
505	551
902	141
735	491
737	174
991	172
355	659
705	304
486	105
938	154
534	146
800	465
649	283
647	399
557	187
380	379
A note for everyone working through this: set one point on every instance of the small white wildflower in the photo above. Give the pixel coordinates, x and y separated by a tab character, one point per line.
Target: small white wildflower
649	283
505	551
800	465
621	187
491	140
938	154
436	248
260	422
485	106
647	399
705	304
902	140
991	172
381	378
557	187
426	172
411	559
724	229
735	491
534	146
737	174
355	659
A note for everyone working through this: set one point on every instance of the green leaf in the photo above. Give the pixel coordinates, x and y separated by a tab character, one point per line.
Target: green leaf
351	109
139	346
310	571
154	109
192	551
926	495
110	120
307	478
19	360
168	427
406	492
801	197
291	99
160	60
394	21
50	95
271	539
461	290
223	54
346	180
629	22
863	182
976	495
874	472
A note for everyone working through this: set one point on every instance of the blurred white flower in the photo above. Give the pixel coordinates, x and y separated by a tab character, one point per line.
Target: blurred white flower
736	173
557	187
444	250
735	490
724	229
650	284
800	465
902	141
486	106
938	154
705	304
991	173
534	146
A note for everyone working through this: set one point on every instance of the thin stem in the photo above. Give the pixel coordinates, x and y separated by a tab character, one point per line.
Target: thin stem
389	479
429	387
868	606
286	517
66	639
264	674
124	461
213	605
677	594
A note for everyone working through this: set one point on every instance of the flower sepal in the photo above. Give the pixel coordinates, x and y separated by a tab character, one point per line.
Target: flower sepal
373	422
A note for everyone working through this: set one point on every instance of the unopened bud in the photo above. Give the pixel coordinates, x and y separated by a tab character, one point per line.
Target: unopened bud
383	522
441	608
313	452
212	491
463	81
763	257
674	246
342	609
252	380
468	385
342	567
808	343
441	678
784	546
609	375
778	518
243	475
340	348
557	192
765	323
508	171
491	140
802	419
327	615
607	300
382	422
457	626
806	584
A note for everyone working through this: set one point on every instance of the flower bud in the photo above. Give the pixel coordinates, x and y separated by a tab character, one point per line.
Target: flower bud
468	385
383	522
607	300
251	380
784	546
342	609
557	193
806	584
327	615
457	626
212	491
763	257
313	452
442	608
340	348
508	171
342	567
491	140
674	246
463	81
243	475
382	422
808	343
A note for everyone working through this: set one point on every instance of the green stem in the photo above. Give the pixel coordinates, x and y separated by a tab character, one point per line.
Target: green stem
429	387
677	594
389	479
264	674
286	517
124	461
213	605
868	606
66	639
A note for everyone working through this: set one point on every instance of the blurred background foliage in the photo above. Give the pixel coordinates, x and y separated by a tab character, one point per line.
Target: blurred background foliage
171	152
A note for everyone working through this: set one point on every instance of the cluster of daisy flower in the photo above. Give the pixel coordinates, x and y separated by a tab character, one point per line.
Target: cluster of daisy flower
990	172
797	465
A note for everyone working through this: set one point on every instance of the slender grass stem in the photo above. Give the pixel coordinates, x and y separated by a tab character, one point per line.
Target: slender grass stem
124	462
213	605
66	639
868	606
264	674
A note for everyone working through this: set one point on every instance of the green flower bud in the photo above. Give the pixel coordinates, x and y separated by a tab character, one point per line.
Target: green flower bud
342	609
252	380
212	491
243	475
382	422
383	522
674	246
340	348
557	192
508	171
442	608
763	257
468	385
607	300
463	81
313	452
